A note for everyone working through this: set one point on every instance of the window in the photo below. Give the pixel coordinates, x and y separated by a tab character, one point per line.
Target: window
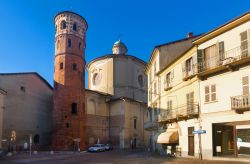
168	80
74	66
22	88
74	108
134	123
210	93
169	105
190	98
213	92
80	46
189	64
140	80
75	27
69	42
244	43
210	56
61	65
245	85
36	139
63	24
190	101
67	125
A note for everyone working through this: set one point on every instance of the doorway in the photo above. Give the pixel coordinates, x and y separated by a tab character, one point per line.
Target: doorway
190	141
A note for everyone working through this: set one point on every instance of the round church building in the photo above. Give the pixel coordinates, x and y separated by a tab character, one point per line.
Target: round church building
118	74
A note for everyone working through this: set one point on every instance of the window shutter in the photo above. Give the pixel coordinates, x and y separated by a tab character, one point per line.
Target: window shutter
188	98
200	59
245	85
172	74
244	43
194	67
221	51
213	92
207	94
183	66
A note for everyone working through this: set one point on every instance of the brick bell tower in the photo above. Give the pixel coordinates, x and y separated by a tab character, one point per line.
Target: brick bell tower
69	90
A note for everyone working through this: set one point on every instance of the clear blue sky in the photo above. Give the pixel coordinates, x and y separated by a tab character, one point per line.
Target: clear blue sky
27	27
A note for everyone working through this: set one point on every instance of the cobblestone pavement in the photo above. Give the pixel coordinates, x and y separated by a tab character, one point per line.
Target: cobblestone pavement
111	157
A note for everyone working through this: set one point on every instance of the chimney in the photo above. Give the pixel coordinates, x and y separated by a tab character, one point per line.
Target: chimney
190	35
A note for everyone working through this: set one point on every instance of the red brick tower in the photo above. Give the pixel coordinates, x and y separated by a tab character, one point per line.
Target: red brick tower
69	94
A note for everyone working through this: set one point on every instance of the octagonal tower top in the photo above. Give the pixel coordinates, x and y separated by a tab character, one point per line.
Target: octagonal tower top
68	22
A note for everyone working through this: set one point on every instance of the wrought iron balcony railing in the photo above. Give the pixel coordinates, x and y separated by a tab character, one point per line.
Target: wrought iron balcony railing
233	57
189	72
183	112
240	103
168	85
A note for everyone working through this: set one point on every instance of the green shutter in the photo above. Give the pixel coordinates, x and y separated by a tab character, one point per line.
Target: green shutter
200	60
221	51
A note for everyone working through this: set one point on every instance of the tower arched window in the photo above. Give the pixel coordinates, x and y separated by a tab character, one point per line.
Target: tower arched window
61	65
69	42
74	27
74	108
74	66
80	46
63	24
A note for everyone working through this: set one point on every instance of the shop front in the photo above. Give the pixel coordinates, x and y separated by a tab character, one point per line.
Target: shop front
231	139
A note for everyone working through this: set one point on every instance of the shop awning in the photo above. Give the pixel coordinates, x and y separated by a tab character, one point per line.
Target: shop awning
171	136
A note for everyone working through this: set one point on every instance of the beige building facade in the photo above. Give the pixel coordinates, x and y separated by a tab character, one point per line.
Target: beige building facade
224	70
27	110
202	94
166	94
116	99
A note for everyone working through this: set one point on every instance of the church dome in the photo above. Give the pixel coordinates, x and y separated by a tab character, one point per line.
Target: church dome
119	48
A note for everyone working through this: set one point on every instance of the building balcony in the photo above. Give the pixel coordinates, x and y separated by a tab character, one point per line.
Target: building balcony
151	125
232	59
189	73
184	112
241	103
168	85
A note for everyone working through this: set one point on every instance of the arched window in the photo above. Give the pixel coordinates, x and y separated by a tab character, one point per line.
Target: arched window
74	66
61	65
74	108
75	27
80	46
63	24
69	42
36	139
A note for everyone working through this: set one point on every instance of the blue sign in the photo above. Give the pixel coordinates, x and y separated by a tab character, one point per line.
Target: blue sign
199	131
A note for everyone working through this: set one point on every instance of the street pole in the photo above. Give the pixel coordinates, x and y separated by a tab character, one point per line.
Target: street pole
200	148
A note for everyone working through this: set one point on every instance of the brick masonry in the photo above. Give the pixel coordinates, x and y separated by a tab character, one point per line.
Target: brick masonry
69	83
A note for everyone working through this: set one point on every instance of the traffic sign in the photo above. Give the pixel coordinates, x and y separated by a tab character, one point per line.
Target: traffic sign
199	131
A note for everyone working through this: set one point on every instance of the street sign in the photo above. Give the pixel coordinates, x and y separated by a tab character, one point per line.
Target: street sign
199	131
